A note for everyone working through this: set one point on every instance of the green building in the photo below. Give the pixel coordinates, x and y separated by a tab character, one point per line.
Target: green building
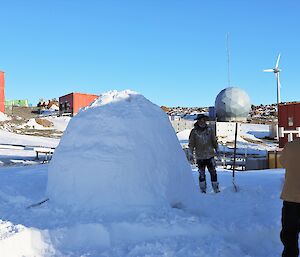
10	103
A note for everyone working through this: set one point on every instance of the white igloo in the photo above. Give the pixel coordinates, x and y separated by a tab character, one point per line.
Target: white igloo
120	152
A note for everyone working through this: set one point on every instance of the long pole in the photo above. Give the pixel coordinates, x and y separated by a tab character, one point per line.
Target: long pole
234	158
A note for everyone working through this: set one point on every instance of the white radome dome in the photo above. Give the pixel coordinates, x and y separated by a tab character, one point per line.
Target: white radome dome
232	104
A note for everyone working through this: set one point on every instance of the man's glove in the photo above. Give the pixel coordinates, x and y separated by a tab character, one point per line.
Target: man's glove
190	155
218	154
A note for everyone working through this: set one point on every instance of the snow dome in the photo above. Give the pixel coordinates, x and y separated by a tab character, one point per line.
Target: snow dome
121	151
232	104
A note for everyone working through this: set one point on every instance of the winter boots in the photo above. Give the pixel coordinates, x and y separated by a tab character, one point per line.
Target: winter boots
215	186
203	187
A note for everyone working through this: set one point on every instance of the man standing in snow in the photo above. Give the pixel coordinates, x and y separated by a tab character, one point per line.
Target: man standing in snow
290	195
203	141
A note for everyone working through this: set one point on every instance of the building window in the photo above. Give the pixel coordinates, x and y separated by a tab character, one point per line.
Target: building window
67	106
290	121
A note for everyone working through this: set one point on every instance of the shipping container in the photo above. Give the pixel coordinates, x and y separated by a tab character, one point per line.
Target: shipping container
288	122
73	102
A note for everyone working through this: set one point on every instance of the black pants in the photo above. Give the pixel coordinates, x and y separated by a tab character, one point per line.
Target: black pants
289	235
211	166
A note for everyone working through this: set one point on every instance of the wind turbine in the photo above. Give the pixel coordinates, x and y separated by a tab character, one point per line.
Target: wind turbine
276	71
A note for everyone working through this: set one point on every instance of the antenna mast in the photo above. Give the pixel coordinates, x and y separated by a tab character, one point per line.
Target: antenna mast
228	58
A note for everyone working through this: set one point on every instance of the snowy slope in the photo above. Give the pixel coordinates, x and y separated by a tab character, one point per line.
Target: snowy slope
243	224
31	123
257	130
59	123
16	139
4	117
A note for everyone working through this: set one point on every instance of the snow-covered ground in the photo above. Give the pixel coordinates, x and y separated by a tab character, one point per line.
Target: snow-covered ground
58	123
4	117
16	139
18	155
11	155
102	162
243	224
47	126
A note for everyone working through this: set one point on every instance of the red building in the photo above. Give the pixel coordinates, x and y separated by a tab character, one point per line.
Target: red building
288	122
2	94
71	103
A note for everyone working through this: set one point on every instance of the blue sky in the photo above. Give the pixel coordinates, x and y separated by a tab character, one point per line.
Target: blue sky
173	52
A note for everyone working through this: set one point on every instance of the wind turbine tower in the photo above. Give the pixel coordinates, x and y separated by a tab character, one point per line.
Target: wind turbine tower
276	71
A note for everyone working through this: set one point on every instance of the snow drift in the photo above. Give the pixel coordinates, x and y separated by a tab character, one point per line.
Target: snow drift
4	117
120	152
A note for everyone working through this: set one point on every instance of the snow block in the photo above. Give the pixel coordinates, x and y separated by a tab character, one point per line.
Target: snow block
120	152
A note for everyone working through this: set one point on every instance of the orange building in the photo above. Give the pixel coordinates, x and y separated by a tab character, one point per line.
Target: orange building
71	103
2	93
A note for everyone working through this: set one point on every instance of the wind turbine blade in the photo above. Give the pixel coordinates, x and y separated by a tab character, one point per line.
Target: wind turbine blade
277	63
269	70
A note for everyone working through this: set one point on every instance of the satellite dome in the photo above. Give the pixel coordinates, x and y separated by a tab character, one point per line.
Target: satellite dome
232	104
